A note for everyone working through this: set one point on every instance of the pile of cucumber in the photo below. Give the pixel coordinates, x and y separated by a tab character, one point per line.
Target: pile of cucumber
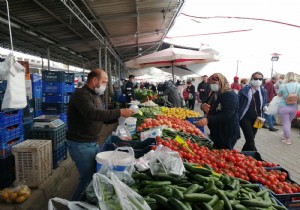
201	189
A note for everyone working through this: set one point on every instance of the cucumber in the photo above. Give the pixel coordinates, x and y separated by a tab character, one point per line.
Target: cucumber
201	171
177	194
279	207
239	207
208	167
177	204
205	206
251	186
232	184
227	203
158	191
141	176
161	200
156	183
188	205
201	179
261	193
219	184
225	179
214	200
256	203
197	197
178	187
193	188
219	205
195	206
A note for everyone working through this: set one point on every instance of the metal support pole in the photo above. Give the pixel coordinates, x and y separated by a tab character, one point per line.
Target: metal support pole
42	63
48	56
237	67
100	57
68	68
106	68
272	69
110	87
83	79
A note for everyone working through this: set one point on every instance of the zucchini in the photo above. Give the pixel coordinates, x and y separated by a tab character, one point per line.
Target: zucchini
219	205
177	204
197	197
256	203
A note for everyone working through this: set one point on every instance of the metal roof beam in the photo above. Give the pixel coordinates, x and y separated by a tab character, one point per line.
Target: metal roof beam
135	45
137	26
157	31
75	42
85	21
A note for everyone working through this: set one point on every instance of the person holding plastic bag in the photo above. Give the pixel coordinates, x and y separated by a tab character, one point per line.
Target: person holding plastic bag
252	100
85	120
290	92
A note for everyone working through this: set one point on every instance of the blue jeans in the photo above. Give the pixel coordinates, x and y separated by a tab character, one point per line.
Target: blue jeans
83	154
270	120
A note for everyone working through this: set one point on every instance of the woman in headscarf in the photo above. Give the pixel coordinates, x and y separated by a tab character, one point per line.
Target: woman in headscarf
222	115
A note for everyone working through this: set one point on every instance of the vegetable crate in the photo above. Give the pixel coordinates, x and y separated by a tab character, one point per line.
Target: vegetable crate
33	161
290	201
36	103
7	173
59	155
37	113
54	108
57	76
58	87
256	155
6	151
56	98
193	120
36	91
140	147
56	135
9	133
36	78
62	116
10	117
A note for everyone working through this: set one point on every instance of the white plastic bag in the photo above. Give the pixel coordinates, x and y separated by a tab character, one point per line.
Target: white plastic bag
72	205
152	133
166	161
273	107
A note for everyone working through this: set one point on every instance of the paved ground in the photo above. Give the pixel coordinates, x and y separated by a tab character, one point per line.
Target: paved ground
271	149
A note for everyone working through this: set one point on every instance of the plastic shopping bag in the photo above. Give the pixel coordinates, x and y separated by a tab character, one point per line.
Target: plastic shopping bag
166	161
273	107
72	205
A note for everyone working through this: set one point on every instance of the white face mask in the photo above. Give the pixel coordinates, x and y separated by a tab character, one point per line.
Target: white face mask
243	85
256	83
214	87
100	90
280	81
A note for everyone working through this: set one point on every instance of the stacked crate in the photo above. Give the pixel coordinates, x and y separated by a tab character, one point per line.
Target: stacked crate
58	139
36	104
33	160
57	88
3	85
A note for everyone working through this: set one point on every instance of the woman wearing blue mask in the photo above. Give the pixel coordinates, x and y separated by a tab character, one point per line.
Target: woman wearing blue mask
252	100
221	110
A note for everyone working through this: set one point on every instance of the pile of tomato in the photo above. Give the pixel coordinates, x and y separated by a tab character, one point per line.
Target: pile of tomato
171	122
233	163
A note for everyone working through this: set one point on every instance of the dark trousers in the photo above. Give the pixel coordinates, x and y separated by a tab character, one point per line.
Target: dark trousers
249	133
191	103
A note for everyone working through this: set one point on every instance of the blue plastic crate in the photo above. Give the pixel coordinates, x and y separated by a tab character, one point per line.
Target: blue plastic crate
5	152
10	117
35	78
54	108
57	76
139	147
3	85
37	113
193	120
9	133
56	135
56	98
59	155
58	87
37	92
27	126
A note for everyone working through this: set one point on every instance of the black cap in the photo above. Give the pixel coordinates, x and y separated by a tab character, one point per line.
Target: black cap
131	76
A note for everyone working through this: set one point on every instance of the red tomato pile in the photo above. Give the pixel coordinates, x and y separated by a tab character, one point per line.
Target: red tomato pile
234	164
171	122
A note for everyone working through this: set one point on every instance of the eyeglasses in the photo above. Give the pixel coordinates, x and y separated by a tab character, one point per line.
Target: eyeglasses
258	79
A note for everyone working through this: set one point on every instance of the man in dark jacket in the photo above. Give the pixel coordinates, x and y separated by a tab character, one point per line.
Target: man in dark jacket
129	89
203	89
85	121
192	94
271	92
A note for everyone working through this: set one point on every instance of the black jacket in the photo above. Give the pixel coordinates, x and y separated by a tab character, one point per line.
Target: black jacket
204	90
86	116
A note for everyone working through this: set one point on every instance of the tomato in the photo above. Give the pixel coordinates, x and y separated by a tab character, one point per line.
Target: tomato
281	178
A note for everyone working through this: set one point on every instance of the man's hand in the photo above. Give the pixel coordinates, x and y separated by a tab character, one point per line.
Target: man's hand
205	107
202	122
126	112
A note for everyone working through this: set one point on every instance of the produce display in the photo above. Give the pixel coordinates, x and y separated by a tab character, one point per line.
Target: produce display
15	195
144	95
179	113
201	188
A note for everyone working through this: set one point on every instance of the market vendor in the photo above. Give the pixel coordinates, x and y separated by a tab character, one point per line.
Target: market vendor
222	108
85	120
129	89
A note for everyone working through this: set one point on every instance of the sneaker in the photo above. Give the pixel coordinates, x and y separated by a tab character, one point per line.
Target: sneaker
286	141
273	129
